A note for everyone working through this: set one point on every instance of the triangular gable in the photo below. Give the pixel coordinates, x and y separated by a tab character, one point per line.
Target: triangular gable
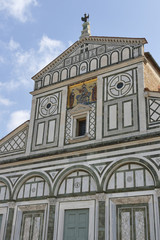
99	45
15	141
80	108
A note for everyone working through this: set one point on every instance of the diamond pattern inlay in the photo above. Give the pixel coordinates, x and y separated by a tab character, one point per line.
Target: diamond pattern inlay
16	143
154	110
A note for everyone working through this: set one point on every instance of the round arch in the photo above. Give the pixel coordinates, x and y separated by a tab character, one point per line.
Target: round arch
70	170
22	180
116	165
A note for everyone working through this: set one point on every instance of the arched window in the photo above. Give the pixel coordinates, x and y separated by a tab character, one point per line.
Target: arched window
34	187
77	182
130	176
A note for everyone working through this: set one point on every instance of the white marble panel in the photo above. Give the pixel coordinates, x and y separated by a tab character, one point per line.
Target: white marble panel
120	179
139	178
73	71
46	80
69	187
46	189
93	64
20	194
33	189
111	184
129	179
40	189
40	131
125	53
125	226
149	179
64	74
112	116
93	186
27	190
55	77
103	61
2	193
127	114
139	225
36	228
77	185
114	57
62	188
26	230
85	184
51	131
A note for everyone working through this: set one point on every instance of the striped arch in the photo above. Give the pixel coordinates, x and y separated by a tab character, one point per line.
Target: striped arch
33	184
124	175
5	189
78	179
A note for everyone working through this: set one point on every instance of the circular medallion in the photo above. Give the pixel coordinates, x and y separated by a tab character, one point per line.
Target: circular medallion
120	85
77	185
48	105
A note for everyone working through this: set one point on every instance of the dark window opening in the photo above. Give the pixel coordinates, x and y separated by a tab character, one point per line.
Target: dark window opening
81	127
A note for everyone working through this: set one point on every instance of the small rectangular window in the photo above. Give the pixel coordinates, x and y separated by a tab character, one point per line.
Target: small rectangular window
81	127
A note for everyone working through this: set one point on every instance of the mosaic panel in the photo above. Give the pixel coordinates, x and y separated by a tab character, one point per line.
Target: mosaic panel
15	144
34	187
77	182
82	93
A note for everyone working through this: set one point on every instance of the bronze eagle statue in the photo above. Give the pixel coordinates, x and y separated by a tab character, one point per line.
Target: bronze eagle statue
84	19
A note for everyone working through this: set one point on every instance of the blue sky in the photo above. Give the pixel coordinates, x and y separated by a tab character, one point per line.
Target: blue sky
34	32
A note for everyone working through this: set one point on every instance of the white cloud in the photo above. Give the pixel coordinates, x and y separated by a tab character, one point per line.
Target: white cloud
19	9
5	101
17	118
13	45
25	64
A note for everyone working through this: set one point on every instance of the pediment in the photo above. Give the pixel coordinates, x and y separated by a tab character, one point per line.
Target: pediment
96	47
80	108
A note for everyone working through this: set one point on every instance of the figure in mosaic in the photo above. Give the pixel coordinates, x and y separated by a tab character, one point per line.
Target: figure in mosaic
94	92
85	95
71	98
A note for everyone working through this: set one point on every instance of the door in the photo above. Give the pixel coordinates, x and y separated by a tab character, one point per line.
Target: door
76	224
132	223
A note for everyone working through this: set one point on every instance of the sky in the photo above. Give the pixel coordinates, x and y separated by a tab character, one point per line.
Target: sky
34	32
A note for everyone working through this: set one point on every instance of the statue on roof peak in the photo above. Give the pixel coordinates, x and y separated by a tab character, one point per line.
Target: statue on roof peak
84	19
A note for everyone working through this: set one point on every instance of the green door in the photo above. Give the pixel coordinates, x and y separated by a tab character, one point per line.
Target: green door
76	224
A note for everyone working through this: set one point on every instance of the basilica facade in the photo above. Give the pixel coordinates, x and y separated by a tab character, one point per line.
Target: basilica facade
86	165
